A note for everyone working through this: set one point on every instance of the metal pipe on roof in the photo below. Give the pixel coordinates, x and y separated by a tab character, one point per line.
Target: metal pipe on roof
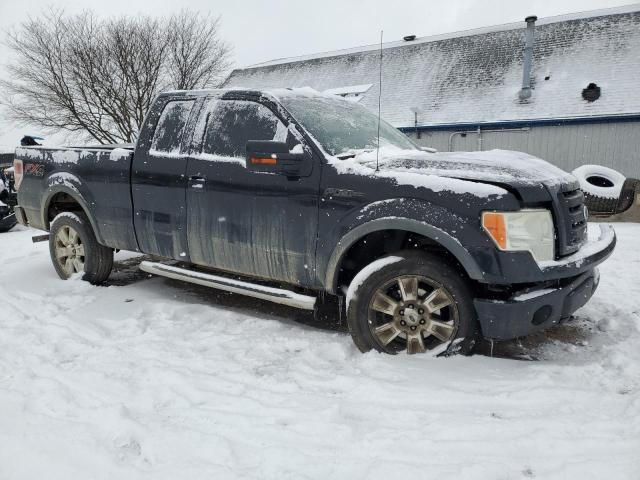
525	92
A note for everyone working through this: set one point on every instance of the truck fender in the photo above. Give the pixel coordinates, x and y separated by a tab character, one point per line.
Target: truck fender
397	223
66	183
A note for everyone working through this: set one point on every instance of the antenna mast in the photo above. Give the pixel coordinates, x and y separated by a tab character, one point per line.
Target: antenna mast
379	104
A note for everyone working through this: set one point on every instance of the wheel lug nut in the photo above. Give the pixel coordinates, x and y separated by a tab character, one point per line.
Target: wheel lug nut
401	312
422	322
403	323
411	307
413	327
421	311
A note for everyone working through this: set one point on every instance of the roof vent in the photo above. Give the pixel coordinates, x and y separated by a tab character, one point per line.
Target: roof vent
591	93
409	38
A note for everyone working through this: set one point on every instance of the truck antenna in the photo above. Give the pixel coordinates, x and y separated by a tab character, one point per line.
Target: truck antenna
379	103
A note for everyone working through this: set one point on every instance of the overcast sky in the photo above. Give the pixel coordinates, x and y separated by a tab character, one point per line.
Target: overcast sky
268	29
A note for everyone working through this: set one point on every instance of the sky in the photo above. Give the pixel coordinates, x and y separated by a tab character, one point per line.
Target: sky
265	30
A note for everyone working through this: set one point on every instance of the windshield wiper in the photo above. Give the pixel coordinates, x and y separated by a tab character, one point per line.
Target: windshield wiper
353	154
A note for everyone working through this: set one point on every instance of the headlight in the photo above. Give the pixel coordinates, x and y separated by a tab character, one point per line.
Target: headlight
524	230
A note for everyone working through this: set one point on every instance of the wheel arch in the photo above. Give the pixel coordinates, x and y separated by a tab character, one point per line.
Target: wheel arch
59	191
437	236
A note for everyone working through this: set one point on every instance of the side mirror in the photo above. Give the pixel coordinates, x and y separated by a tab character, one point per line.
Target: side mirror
274	157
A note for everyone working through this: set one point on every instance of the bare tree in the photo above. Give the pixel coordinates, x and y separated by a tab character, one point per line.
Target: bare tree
82	74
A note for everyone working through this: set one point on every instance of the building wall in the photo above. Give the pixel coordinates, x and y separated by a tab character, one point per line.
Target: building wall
614	145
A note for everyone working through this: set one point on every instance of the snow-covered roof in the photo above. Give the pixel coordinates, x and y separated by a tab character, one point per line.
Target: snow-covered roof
475	76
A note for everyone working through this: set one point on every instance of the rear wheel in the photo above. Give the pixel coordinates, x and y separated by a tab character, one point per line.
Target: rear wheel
414	302
74	249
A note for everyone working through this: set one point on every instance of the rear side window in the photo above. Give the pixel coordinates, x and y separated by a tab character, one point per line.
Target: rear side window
171	124
230	124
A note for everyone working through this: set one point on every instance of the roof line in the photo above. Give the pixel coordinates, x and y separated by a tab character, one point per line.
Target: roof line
445	36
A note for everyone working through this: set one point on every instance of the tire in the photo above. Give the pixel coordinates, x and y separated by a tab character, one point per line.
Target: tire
600	205
628	194
404	320
74	249
599	181
8	223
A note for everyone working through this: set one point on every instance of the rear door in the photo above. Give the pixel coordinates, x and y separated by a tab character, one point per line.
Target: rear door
255	223
158	181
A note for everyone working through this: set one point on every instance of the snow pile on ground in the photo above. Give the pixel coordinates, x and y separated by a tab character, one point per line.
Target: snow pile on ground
150	378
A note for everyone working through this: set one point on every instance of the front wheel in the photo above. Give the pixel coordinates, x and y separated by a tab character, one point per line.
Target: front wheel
413	302
74	249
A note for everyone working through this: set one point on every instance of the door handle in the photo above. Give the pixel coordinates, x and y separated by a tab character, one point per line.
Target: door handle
197	182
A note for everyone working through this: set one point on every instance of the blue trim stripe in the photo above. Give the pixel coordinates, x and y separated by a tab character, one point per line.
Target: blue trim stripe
523	123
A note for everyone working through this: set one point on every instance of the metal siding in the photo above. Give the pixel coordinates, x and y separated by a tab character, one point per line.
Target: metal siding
614	145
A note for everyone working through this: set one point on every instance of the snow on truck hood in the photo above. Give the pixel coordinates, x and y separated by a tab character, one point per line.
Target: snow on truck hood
459	172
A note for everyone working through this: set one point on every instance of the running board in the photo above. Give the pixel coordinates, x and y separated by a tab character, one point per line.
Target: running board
276	295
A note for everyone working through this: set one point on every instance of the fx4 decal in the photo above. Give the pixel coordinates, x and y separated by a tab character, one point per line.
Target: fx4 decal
34	169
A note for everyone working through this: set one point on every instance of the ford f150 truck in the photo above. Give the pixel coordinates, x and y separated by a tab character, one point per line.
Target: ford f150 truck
294	196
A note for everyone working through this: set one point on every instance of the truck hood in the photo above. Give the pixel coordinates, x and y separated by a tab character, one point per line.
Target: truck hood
507	170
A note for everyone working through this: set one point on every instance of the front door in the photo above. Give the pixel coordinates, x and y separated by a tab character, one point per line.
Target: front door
259	224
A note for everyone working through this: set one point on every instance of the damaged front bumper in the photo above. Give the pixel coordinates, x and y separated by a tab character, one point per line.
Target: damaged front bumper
539	308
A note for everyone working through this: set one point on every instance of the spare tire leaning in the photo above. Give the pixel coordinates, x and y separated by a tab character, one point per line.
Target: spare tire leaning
628	194
601	187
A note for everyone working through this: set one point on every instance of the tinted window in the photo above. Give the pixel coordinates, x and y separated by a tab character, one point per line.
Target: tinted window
168	134
231	123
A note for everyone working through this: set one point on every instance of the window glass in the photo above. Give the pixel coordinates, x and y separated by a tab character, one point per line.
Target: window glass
230	124
168	134
342	127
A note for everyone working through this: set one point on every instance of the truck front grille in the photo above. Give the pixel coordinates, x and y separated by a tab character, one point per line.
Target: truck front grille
572	221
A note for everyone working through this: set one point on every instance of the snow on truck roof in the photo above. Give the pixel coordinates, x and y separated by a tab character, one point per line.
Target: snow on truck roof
276	92
475	76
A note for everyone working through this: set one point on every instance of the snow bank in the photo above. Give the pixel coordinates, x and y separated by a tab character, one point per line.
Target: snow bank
161	380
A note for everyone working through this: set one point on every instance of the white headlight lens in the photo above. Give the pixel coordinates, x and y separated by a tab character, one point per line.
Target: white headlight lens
528	230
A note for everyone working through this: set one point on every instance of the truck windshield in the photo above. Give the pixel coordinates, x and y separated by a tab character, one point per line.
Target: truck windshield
343	127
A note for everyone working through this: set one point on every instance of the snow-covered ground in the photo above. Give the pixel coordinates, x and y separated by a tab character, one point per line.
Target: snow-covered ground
150	378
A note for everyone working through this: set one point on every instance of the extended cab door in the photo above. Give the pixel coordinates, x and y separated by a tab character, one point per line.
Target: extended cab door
158	181
255	223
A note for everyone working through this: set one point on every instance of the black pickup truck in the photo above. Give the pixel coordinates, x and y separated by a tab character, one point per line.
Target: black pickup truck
298	197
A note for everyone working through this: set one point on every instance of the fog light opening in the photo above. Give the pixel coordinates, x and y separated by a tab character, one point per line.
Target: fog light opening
542	315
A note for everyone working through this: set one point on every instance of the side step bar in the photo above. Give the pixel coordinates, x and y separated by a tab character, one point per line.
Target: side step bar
276	295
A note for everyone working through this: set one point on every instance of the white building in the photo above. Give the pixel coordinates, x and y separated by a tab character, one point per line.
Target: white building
461	91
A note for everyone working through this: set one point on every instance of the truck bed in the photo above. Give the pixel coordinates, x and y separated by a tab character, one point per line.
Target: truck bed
100	174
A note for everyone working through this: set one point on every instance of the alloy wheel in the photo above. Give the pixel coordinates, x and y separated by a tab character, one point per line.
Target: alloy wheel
412	313
69	250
